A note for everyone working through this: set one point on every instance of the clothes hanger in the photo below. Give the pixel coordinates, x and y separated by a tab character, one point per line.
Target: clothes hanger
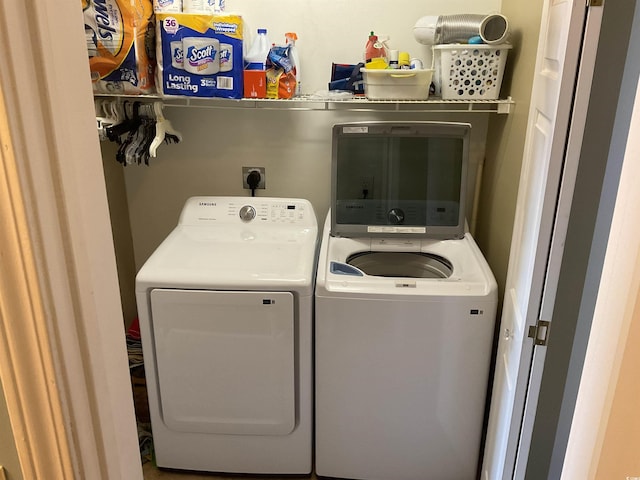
130	122
164	130
102	118
139	128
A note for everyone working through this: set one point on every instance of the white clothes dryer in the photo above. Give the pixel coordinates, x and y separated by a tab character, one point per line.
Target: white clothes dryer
225	307
405	309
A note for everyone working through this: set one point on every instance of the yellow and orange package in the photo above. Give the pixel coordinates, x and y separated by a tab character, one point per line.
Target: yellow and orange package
280	84
120	37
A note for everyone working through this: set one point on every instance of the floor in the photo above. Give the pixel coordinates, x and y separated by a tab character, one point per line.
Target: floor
151	472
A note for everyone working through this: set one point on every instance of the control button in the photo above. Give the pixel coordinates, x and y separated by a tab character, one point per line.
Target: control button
247	213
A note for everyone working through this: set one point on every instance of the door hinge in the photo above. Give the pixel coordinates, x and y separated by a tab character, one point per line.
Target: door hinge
595	3
540	332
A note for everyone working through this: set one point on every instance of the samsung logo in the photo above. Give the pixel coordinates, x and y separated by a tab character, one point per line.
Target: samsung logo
207	204
355	206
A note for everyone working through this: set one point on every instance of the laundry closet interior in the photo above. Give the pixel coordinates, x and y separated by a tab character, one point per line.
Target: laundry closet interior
292	140
294	145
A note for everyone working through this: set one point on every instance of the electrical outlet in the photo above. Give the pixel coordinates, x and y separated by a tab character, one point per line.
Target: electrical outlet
245	173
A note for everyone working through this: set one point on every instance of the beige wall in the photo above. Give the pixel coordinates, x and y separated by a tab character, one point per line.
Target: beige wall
505	141
620	455
121	228
293	146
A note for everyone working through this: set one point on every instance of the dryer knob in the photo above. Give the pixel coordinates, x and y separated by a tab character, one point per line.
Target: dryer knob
395	216
247	213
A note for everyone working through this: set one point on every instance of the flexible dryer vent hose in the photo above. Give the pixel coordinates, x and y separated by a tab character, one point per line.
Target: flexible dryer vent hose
434	30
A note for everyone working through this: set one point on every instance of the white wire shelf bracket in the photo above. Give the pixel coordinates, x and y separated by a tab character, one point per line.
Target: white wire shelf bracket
310	103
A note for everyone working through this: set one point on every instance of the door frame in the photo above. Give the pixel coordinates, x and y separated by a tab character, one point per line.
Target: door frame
26	363
608	119
64	362
615	308
58	195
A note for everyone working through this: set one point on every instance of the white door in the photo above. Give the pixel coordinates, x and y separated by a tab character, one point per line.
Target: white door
544	199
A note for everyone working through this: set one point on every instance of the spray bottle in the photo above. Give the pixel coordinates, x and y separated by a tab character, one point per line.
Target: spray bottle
293	54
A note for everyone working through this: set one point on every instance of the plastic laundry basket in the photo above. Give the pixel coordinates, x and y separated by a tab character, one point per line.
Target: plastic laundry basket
469	72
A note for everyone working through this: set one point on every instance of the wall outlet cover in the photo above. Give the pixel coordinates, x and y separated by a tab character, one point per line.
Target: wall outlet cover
245	173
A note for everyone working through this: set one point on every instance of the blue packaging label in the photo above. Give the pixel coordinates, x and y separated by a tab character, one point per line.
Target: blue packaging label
200	55
127	71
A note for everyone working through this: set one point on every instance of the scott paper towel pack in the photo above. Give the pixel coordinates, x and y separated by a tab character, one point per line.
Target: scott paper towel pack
199	55
120	43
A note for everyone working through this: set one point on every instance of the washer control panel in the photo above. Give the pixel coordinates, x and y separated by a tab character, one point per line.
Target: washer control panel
272	212
254	211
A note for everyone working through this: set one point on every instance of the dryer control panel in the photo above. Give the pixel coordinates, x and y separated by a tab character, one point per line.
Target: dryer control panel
244	210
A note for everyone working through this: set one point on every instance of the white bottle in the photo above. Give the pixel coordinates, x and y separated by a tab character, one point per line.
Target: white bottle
256	57
295	59
393	59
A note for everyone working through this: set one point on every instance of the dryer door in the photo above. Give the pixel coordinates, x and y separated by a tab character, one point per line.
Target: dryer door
225	360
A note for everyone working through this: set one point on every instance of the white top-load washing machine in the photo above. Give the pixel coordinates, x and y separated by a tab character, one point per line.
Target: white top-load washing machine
405	309
225	306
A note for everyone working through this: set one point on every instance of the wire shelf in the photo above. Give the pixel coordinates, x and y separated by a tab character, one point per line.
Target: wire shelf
309	102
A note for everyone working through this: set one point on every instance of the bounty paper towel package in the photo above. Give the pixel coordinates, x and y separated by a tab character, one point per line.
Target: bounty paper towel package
120	42
199	55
